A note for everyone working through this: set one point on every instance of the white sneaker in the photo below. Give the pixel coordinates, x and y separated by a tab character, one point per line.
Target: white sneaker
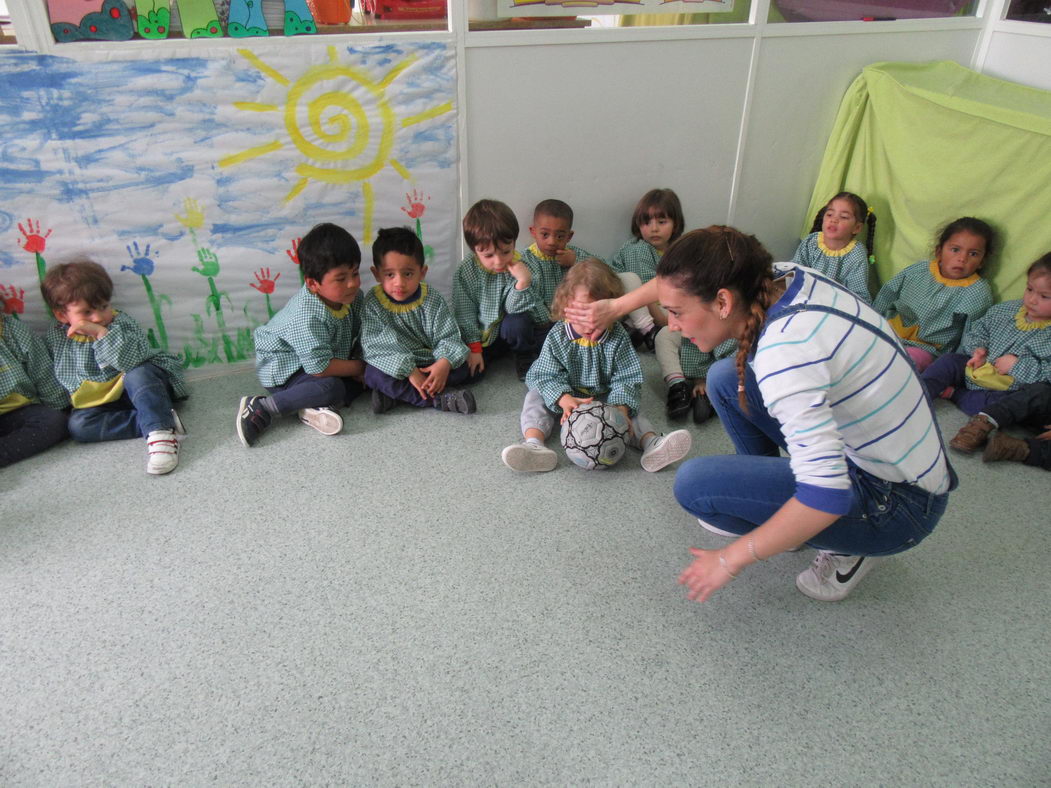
529	457
179	428
162	452
833	575
666	449
324	420
716	530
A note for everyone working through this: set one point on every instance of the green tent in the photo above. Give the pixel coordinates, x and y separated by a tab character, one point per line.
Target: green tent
926	143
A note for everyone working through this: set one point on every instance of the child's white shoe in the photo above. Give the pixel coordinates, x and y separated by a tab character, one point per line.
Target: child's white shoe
666	449
324	420
162	452
529	457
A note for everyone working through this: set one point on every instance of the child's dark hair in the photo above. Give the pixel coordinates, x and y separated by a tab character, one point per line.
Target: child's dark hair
659	204
397	239
325	247
593	275
555	209
1041	266
80	280
703	262
488	223
970	225
861	213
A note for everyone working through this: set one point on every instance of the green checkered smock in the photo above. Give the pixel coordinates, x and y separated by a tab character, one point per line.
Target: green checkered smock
1002	331
27	374
306	334
398	337
638	257
482	298
570	364
82	361
928	311
547	276
849	266
696	363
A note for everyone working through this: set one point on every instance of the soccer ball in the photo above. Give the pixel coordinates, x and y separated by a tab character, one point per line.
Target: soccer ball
595	435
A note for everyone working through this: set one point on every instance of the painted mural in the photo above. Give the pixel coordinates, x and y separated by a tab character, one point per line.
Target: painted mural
192	180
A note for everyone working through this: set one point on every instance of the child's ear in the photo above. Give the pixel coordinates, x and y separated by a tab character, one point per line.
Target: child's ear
312	284
375	272
423	272
60	315
569	236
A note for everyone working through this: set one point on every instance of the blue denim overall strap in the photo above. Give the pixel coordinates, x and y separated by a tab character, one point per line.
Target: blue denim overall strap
954	480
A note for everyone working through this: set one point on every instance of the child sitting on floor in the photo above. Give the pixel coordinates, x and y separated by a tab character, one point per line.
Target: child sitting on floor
493	299
1030	406
930	303
1005	349
31	400
119	386
574	368
656	221
303	355
832	250
410	341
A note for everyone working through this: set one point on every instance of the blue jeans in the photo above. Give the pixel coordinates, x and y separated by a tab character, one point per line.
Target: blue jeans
29	430
145	406
303	390
950	370
740	492
517	333
403	391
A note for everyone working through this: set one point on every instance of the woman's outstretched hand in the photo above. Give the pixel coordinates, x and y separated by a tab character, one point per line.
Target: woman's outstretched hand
705	575
589	317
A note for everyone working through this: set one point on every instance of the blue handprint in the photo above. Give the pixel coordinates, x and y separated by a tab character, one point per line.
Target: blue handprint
141	262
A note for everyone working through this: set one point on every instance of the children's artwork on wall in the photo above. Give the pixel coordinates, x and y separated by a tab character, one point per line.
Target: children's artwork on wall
192	180
76	20
595	7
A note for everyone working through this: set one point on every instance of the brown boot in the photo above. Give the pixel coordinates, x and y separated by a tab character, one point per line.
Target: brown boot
972	435
1004	447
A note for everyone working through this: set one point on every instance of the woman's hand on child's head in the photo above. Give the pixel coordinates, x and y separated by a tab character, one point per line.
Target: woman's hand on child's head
437	375
586	318
978	357
1005	363
569	403
475	363
705	575
565	257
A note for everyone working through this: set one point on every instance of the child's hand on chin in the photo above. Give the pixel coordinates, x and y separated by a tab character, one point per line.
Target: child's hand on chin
86	328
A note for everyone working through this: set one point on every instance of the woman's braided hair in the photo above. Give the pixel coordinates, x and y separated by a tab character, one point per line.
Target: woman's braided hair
703	262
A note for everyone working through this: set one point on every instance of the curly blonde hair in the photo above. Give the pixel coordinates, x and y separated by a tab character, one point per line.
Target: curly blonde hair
593	275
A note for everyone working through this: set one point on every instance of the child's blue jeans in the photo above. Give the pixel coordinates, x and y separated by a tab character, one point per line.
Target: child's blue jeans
303	390
740	492
950	370
145	406
403	391
29	430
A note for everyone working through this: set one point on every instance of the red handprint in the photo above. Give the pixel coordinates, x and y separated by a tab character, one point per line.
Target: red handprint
35	242
293	253
416	207
14	301
266	284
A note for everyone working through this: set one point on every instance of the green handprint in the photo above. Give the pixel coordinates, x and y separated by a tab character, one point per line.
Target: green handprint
209	261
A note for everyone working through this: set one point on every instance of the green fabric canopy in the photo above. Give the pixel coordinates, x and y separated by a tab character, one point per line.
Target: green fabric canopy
926	143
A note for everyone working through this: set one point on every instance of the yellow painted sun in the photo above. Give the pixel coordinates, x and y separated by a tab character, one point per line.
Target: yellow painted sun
340	120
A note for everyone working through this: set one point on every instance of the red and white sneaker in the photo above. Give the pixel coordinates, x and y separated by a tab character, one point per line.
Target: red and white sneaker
162	452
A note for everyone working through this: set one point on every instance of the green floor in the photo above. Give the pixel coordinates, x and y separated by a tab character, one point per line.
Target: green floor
393	606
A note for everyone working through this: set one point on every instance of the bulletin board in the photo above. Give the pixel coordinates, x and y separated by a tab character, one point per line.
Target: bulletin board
191	179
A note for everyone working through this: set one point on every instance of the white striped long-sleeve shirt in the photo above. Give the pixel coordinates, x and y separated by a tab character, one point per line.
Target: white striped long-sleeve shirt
841	393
